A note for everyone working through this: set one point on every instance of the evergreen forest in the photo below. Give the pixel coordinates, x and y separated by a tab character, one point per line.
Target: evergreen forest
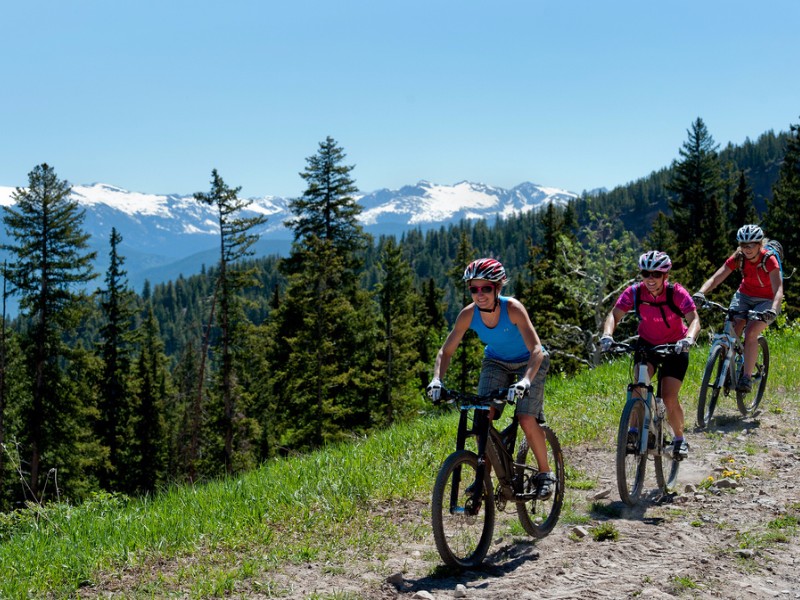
103	388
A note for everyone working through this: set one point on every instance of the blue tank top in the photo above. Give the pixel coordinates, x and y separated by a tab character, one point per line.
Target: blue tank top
503	341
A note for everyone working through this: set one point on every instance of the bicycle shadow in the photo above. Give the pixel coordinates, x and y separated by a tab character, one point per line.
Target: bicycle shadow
734	423
504	560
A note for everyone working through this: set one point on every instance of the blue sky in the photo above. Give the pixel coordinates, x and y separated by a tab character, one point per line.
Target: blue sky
151	95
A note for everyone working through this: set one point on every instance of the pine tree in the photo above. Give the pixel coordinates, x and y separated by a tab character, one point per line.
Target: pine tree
661	237
50	261
149	466
402	332
325	322
236	241
743	209
116	302
552	226
4	346
781	218
697	208
327	208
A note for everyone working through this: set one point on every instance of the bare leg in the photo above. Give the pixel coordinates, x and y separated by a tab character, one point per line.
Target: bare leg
536	440
669	391
751	334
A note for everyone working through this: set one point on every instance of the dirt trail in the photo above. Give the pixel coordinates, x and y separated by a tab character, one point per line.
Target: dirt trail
688	546
699	544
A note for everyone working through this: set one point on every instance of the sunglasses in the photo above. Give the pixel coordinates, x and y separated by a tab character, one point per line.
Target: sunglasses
748	246
485	289
653	274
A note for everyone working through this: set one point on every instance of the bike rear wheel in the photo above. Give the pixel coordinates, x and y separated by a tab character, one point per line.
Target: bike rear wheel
462	529
748	403
711	386
665	465
539	516
631	466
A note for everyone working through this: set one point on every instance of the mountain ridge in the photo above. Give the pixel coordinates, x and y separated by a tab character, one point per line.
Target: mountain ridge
168	235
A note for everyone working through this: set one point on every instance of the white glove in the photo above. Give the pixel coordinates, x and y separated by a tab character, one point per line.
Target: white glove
519	389
682	346
699	299
605	343
769	316
434	389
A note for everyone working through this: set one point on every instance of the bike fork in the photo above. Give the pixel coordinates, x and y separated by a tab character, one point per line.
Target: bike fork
644	438
725	372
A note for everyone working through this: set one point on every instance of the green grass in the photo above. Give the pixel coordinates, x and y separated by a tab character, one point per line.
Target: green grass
605	532
338	503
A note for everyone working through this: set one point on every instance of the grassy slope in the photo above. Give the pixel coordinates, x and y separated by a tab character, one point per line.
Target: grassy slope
303	508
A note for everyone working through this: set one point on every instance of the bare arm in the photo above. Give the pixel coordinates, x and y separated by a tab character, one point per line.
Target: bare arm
693	321
777	289
613	318
452	341
717	278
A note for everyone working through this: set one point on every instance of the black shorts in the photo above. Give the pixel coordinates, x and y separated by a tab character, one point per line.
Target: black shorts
672	365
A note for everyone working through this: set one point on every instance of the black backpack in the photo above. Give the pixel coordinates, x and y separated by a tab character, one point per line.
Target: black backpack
669	302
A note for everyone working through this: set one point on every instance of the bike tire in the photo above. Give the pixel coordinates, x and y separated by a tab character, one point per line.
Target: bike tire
666	467
539	517
630	467
710	386
462	536
748	403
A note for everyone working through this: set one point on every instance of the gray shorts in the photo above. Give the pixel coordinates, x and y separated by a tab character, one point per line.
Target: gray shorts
741	304
498	374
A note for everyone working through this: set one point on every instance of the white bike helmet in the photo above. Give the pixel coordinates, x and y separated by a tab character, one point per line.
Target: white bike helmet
655	260
485	268
749	233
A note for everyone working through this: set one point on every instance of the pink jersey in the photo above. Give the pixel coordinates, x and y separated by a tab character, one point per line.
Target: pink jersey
755	281
659	324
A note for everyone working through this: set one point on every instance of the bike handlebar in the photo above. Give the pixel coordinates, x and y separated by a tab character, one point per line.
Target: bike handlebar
494	398
751	315
625	348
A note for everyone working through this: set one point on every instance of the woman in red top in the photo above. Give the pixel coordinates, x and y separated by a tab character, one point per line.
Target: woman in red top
761	290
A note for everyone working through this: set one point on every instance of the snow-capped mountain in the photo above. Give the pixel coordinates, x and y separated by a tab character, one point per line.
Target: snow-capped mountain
166	235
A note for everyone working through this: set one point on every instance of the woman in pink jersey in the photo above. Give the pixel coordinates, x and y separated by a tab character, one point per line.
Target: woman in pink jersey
513	356
761	290
667	315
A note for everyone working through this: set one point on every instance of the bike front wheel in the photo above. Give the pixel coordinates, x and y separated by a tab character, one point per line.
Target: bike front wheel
539	516
462	522
748	403
631	461
665	465
711	386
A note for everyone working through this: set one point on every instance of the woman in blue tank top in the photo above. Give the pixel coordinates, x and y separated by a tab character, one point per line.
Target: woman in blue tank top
513	355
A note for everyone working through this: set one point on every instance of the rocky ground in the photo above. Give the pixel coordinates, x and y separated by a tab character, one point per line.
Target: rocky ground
736	539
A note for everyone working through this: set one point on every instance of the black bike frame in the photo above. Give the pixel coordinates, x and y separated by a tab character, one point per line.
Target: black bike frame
504	441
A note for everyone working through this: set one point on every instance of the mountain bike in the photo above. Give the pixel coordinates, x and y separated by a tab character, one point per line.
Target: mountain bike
719	376
465	497
643	430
